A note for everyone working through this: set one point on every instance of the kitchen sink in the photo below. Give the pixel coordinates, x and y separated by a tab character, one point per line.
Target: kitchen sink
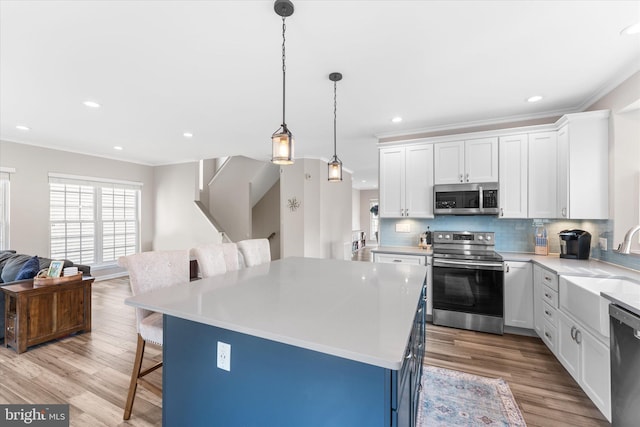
580	296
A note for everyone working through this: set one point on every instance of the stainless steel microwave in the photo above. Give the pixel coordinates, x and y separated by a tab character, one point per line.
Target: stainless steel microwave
466	199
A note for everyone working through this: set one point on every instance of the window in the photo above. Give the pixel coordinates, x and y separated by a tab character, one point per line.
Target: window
4	210
93	222
373	218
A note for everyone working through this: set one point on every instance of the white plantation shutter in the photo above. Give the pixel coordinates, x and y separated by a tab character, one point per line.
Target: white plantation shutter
93	221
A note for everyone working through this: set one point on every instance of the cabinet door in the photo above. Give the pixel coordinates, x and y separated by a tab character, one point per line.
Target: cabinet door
518	295
563	172
595	371
392	181
448	164
568	349
481	160
542	175
70	309
513	176
419	181
40	316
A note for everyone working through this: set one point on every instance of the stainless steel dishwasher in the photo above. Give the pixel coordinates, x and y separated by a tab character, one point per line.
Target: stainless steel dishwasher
625	367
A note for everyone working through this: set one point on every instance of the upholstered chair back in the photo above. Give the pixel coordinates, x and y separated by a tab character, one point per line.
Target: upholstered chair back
211	259
255	251
154	270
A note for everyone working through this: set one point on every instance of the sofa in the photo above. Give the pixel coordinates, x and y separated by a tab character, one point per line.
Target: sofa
16	268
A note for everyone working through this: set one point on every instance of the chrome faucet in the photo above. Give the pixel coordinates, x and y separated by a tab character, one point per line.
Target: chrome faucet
625	246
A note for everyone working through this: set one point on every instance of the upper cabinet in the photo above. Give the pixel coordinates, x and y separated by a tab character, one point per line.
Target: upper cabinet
474	160
406	181
513	176
583	153
543	182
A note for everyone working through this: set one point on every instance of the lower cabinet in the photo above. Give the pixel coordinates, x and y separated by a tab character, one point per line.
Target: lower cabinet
406	383
587	359
518	295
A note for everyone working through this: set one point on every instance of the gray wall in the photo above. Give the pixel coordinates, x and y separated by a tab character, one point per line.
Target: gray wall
178	222
265	219
29	214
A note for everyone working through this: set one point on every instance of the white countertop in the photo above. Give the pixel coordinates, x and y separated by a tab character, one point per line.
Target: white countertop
565	267
356	310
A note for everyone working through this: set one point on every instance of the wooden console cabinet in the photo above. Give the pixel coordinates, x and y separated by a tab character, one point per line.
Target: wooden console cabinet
36	314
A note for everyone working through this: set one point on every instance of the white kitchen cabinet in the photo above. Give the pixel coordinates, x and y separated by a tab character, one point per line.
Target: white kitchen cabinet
513	170
543	184
583	173
518	295
545	305
406	181
587	360
474	160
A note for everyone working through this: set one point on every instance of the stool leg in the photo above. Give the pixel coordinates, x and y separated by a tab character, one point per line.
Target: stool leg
135	374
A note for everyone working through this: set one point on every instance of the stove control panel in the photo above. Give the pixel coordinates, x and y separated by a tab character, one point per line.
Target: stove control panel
464	237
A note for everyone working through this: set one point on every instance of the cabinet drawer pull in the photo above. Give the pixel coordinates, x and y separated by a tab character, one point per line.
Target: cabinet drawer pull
578	336
546	334
548	279
467	177
461	180
397	260
573	333
547	312
547	295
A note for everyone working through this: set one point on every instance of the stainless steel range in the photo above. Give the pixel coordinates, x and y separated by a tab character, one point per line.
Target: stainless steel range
468	281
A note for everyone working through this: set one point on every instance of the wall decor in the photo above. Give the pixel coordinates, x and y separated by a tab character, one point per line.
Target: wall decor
293	204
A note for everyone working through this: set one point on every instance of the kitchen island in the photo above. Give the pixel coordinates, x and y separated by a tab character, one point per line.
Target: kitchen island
313	342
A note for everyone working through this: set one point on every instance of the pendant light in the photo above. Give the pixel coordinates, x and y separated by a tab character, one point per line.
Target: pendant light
282	139
335	165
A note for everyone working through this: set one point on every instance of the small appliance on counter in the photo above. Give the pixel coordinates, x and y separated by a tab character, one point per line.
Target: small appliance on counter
575	244
425	239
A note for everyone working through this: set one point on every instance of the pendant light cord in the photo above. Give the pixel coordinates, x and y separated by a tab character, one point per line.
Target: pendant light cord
335	108
284	71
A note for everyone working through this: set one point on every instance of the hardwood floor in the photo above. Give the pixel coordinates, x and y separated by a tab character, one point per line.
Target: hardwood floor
91	371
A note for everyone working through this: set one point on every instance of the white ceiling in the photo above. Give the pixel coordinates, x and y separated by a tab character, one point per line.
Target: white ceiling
213	68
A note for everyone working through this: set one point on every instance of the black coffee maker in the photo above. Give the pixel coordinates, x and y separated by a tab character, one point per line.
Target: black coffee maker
575	244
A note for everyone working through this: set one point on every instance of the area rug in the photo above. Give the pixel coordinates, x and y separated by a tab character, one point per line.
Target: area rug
453	398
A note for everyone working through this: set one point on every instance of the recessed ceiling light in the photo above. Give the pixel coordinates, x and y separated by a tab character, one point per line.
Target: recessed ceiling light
22	127
91	104
364	180
534	98
187	135
631	30
396	119
117	147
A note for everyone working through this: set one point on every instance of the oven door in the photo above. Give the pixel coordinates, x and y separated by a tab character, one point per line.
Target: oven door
475	288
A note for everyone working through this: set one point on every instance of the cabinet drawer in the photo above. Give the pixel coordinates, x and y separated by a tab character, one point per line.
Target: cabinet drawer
550	314
549	279
549	336
393	258
550	296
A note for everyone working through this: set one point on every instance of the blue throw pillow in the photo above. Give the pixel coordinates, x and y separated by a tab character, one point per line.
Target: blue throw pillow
29	269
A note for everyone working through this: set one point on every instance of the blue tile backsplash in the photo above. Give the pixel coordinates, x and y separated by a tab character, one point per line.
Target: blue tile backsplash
512	235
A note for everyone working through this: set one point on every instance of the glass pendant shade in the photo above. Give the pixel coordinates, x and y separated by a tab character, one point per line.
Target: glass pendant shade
335	169
282	147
